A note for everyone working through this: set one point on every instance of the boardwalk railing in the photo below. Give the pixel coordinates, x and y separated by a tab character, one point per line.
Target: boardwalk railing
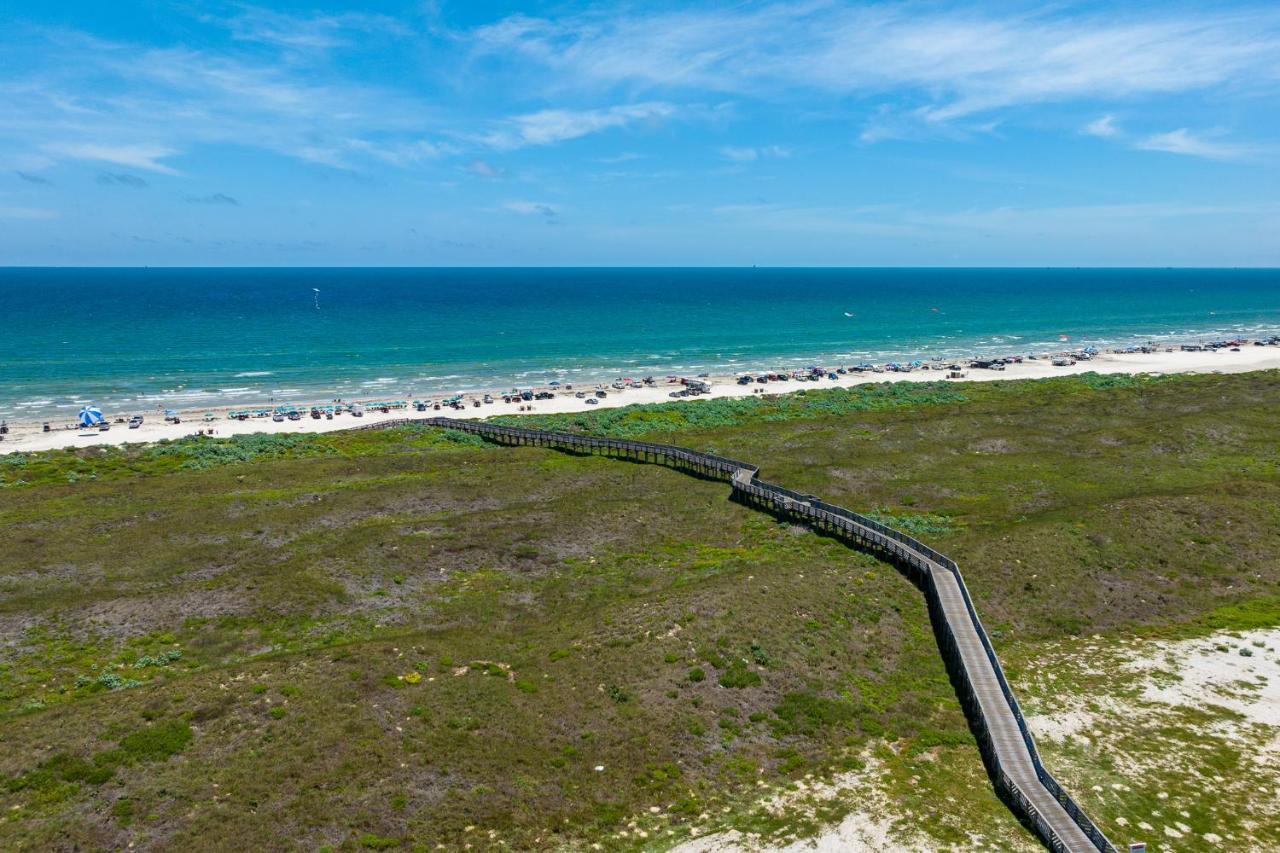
1007	747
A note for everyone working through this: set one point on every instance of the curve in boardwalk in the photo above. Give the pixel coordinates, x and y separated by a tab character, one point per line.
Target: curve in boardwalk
1007	748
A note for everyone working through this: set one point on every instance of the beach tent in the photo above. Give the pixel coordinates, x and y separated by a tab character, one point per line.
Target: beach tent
91	416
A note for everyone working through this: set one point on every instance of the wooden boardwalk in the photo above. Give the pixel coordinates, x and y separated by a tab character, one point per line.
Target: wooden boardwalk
1007	748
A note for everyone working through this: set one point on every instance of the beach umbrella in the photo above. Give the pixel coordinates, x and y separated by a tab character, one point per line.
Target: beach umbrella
91	416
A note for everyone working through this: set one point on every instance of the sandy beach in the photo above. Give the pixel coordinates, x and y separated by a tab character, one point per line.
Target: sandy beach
28	436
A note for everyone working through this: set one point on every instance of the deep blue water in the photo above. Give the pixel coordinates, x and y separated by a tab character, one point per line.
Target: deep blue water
136	339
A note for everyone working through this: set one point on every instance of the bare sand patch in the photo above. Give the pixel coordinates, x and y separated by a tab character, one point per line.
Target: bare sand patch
1168	741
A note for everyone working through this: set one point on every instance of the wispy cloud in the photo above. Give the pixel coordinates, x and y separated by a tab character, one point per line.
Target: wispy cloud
1183	141
86	90
549	212
137	156
318	32
546	127
1104	127
403	154
33	179
956	62
749	155
122	179
215	198
483	168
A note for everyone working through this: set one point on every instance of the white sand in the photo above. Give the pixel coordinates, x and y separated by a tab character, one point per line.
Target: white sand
27	436
874	823
1198	673
868	828
1212	671
1172	705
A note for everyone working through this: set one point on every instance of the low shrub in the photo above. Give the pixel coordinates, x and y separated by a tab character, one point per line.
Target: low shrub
806	713
369	841
738	676
199	452
157	741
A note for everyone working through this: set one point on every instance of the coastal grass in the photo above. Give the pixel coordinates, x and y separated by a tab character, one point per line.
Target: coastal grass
784	402
404	638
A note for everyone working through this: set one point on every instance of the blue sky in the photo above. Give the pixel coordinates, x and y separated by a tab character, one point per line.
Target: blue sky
808	133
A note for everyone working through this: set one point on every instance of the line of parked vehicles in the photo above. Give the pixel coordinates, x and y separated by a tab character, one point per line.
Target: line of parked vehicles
813	374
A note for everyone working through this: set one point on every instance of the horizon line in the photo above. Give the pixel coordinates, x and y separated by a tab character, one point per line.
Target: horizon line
1099	267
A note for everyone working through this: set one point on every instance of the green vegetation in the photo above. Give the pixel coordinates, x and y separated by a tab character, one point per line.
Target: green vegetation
635	421
205	452
404	638
780	405
61	776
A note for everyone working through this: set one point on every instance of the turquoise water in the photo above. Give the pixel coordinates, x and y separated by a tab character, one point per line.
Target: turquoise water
141	339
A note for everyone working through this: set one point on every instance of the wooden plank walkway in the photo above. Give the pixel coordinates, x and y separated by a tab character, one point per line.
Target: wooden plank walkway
1012	755
1012	761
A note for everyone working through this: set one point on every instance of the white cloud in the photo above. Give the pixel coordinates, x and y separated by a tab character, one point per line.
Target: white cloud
86	91
1182	141
1104	127
546	127
748	155
319	32
483	168
957	62
532	208
402	153
137	156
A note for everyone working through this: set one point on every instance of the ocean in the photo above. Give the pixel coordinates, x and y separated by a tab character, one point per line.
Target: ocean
138	340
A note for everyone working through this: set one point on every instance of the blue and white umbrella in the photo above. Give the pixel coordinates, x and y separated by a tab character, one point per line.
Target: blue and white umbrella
91	416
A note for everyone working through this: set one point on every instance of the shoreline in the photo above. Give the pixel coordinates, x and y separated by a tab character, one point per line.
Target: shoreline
28	436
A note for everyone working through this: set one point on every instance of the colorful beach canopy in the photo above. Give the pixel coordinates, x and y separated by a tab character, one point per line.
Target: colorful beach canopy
91	416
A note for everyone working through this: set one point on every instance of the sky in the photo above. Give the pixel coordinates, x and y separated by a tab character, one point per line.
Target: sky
380	133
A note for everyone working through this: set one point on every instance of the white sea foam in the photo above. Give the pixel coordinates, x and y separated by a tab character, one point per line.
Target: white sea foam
251	373
179	394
